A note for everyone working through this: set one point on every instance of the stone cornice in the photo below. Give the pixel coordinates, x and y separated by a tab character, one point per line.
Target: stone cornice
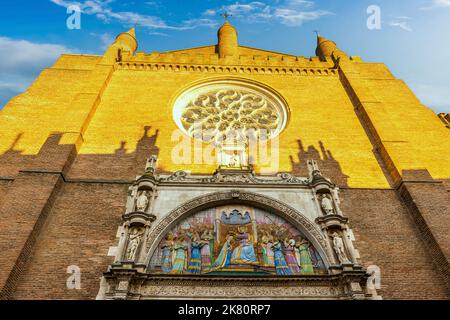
232	178
131	284
237	69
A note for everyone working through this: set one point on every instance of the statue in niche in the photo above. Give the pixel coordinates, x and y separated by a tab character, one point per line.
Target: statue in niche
235	161
133	244
338	245
327	204
131	191
142	201
131	195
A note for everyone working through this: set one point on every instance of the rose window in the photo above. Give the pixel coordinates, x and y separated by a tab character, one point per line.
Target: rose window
223	109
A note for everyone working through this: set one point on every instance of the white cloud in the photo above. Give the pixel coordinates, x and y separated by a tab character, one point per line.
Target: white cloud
21	56
239	9
441	3
437	4
287	12
21	63
199	23
162	34
401	22
300	3
295	18
210	13
103	11
153	4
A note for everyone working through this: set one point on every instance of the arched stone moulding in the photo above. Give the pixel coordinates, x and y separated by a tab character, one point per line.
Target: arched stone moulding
296	218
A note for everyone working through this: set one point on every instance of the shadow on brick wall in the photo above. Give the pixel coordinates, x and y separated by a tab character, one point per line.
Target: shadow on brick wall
329	166
52	156
126	165
119	165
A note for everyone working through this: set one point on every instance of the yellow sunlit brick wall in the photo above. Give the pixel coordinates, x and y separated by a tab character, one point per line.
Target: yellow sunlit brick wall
46	106
320	110
412	134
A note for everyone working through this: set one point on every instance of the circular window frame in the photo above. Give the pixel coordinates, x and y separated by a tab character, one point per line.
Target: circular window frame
190	93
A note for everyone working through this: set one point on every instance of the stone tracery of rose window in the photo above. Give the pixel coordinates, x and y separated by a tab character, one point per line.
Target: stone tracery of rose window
220	110
226	111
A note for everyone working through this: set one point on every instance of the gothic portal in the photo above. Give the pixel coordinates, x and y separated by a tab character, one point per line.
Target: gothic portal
222	171
236	243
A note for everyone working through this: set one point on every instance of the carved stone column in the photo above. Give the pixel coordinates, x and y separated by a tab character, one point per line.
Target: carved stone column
349	245
122	243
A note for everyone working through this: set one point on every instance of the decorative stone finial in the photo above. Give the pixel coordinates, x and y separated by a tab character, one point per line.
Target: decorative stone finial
150	167
225	15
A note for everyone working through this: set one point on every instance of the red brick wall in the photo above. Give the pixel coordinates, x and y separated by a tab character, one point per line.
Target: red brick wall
49	222
429	205
83	222
23	213
386	236
4	186
79	231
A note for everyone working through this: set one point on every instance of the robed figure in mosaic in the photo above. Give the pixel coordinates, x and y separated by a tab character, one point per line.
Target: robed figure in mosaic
224	258
245	252
267	250
207	250
281	266
289	253
302	248
167	247
195	261
180	251
236	240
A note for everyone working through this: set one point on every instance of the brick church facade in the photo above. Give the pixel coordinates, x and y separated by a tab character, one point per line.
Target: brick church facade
93	203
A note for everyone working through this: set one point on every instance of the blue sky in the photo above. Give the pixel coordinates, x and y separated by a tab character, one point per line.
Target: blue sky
413	41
